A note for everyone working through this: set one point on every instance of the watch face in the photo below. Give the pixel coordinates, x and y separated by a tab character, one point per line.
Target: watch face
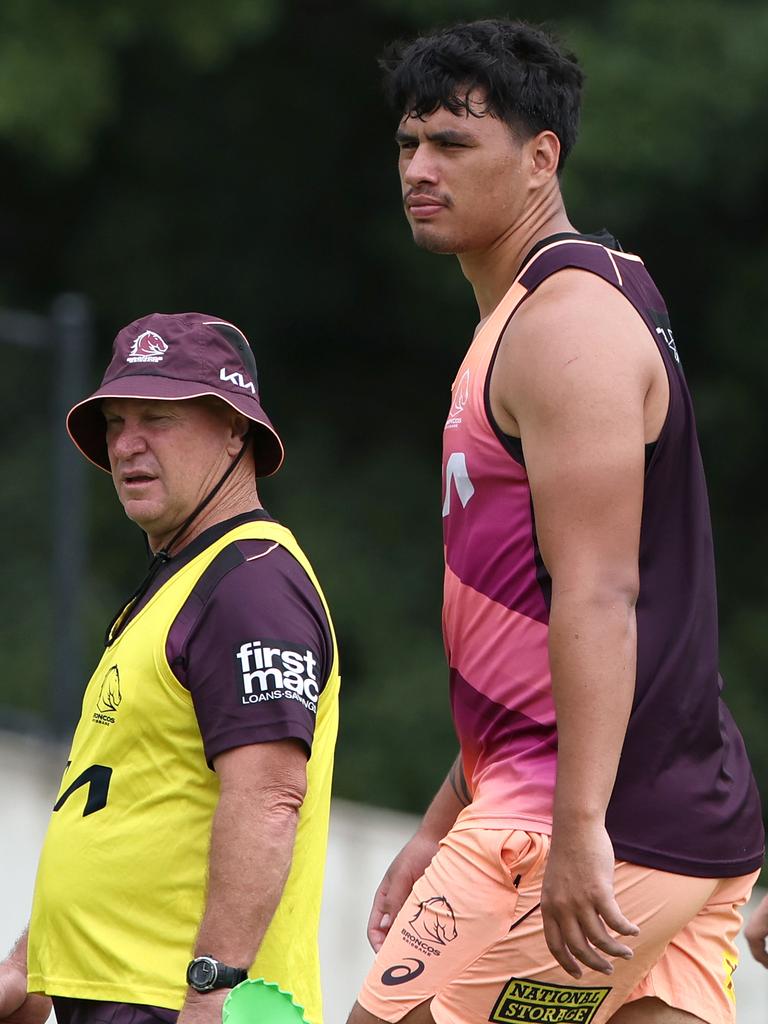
202	974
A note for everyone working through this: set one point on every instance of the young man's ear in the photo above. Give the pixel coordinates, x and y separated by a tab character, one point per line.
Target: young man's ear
545	156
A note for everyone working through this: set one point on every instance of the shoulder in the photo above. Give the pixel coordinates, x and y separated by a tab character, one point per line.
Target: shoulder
576	329
252	589
254	647
573	305
249	571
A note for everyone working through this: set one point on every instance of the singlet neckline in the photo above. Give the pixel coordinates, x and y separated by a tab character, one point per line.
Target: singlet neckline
601	237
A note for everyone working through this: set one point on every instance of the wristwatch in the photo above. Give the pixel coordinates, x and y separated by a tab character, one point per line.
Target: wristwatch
205	974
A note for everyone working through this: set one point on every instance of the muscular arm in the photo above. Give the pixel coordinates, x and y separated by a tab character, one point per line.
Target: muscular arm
254	827
579	378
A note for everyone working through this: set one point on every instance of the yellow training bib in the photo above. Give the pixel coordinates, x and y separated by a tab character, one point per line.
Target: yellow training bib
121	884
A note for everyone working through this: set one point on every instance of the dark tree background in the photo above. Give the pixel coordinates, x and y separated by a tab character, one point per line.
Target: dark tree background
237	158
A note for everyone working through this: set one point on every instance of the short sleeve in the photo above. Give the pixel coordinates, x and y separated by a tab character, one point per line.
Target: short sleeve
253	646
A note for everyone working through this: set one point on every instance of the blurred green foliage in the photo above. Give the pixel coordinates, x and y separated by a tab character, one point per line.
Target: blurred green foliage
237	158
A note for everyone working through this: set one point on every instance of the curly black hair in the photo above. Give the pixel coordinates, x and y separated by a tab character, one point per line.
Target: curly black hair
529	81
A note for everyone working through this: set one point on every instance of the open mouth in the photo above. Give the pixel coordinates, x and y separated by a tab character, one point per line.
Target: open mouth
137	479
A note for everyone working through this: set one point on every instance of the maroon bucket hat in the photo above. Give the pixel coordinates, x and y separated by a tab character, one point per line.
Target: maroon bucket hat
173	356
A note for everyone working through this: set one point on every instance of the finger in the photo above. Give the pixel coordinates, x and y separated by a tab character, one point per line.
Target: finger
579	947
758	951
557	946
610	911
379	920
597	935
378	933
378	909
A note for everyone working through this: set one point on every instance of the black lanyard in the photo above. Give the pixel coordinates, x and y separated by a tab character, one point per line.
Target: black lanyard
163	556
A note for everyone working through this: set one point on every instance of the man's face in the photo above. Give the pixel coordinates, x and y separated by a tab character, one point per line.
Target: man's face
462	179
165	456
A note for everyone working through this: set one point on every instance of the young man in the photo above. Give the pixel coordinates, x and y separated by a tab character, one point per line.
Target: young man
587	855
187	844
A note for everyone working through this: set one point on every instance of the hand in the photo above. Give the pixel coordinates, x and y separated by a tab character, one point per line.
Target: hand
16	1006
396	885
203	1007
577	901
756	931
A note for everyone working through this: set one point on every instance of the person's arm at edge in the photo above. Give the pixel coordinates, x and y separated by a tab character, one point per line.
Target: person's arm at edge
16	1005
756	932
410	863
262	789
578	384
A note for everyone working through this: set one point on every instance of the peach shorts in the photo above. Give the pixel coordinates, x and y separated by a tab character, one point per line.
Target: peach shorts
470	938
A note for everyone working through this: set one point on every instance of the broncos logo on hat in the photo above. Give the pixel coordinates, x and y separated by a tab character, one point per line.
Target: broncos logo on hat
435	920
148	344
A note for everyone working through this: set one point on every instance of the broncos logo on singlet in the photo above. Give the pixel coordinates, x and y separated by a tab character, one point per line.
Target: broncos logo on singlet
461	395
435	920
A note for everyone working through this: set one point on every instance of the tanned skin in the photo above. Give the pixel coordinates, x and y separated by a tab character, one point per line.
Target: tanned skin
584	394
165	458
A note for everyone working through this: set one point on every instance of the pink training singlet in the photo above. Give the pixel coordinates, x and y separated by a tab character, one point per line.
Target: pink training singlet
684	798
494	616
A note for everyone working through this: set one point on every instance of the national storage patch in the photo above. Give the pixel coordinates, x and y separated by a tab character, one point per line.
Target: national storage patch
524	1000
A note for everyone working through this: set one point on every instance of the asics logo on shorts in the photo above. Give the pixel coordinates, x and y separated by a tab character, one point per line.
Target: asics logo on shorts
400	973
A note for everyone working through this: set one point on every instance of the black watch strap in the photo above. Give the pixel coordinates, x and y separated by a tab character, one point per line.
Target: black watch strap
205	973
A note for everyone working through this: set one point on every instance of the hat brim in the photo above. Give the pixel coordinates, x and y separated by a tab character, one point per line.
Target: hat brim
86	426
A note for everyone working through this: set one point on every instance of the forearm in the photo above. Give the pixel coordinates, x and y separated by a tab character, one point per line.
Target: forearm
593	654
18	955
15	1003
449	801
247	836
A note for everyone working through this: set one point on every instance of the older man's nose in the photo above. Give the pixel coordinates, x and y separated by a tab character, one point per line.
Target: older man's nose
129	440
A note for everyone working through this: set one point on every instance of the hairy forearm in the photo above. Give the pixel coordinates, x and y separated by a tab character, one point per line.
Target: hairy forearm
18	955
250	837
450	800
15	1003
593	654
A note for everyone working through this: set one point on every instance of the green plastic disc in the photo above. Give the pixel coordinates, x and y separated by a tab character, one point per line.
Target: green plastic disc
257	1001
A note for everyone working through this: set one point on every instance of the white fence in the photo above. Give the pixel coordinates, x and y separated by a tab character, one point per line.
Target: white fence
363	840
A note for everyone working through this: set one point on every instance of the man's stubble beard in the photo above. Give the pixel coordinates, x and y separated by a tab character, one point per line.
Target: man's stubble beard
438	245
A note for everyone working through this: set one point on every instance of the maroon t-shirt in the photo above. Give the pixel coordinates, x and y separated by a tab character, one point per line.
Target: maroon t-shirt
252	605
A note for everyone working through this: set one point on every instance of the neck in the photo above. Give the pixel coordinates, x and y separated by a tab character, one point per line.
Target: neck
238	495
491	271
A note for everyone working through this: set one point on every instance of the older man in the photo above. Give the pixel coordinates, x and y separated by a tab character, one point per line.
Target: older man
187	842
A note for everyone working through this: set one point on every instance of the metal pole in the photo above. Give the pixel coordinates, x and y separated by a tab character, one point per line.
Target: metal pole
71	340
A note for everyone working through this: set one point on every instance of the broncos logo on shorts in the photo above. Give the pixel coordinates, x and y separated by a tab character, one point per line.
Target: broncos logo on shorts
435	921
